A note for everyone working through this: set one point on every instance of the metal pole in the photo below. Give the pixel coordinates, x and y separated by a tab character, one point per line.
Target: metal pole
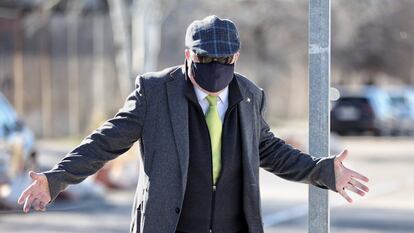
319	83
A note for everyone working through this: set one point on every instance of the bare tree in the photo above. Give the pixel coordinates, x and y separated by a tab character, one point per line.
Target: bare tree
98	80
18	67
73	67
146	34
120	20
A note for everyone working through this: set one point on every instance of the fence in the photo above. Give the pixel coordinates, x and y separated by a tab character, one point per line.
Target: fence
59	71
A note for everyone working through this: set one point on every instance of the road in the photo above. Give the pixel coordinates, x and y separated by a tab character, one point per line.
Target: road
388	207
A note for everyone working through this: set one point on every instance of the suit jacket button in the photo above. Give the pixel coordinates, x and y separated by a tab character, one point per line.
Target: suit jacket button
177	210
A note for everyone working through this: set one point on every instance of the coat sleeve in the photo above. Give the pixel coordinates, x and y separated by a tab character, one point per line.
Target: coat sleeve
113	138
290	163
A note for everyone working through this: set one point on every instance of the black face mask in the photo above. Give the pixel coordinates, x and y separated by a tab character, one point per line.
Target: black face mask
213	76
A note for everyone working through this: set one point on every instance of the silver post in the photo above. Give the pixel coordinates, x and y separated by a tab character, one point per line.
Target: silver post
319	84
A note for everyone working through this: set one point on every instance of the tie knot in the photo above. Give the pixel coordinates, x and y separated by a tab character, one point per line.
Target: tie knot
212	100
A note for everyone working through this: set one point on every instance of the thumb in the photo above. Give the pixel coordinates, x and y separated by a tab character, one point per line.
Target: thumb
343	155
34	175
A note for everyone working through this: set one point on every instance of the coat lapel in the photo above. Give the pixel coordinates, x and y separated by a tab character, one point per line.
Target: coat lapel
246	116
178	109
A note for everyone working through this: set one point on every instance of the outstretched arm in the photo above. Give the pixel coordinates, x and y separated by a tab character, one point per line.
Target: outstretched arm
292	164
289	163
113	138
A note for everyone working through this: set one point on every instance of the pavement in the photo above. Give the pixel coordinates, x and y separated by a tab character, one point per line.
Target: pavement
388	207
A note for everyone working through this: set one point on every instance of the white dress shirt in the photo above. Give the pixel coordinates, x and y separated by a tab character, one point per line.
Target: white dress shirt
222	101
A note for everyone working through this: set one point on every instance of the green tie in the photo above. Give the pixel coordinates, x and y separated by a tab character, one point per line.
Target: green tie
214	127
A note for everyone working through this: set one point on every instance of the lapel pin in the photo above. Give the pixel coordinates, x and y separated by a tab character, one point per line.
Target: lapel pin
248	100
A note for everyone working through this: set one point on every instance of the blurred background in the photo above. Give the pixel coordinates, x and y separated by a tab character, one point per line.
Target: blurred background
67	65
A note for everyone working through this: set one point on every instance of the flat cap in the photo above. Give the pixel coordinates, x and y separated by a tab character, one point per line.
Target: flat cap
213	37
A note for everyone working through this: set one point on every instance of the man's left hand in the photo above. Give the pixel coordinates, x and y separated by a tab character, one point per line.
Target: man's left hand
347	179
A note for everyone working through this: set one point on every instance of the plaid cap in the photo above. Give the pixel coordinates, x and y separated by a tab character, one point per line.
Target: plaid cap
213	37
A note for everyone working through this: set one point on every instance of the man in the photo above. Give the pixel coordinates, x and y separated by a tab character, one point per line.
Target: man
203	139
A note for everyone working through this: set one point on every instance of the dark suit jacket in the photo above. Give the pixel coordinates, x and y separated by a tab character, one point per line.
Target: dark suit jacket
156	114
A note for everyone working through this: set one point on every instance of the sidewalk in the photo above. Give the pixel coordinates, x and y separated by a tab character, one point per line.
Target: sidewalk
388	207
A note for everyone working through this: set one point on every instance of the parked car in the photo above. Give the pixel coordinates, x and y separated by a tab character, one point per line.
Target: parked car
402	101
367	110
17	148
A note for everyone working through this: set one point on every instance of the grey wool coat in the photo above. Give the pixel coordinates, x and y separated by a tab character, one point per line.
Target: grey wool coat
155	113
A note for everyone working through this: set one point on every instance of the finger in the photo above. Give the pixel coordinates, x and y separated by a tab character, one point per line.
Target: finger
357	175
43	203
25	194
44	199
28	203
359	185
355	190
345	195
42	206
36	204
343	155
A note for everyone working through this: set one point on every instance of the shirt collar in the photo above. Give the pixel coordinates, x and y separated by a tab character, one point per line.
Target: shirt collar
223	95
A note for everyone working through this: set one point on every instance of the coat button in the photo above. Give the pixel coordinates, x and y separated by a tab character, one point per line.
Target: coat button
177	210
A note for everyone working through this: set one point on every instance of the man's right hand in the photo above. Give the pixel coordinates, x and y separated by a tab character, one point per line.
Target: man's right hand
37	194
